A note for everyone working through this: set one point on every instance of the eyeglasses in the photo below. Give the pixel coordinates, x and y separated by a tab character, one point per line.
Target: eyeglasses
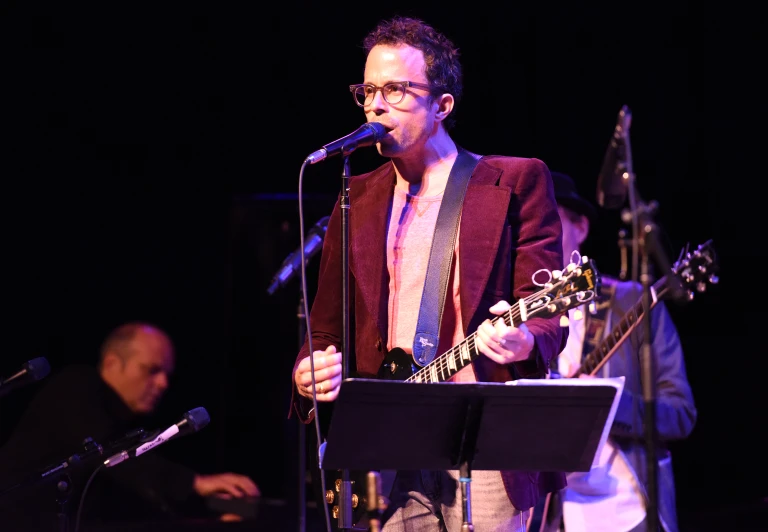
393	92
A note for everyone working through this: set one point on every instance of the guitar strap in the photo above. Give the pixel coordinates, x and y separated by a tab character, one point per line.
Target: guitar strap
425	341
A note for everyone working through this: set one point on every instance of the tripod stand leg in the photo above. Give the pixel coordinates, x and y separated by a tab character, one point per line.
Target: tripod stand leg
466	506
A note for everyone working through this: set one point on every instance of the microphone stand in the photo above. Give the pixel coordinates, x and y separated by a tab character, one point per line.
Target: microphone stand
345	490
63	491
644	232
64	486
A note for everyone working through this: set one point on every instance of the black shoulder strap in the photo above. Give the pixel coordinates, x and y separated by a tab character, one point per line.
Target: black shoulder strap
425	341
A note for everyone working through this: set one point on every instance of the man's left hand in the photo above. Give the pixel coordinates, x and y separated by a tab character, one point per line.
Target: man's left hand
231	484
500	342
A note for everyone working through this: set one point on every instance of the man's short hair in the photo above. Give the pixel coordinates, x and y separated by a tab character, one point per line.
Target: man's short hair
119	340
443	67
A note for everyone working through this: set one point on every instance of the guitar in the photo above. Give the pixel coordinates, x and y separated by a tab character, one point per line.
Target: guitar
693	270
575	285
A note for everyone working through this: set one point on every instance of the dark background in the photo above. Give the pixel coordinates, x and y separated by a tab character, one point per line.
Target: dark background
151	171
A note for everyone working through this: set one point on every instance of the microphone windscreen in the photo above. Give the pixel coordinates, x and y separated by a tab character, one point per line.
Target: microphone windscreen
38	368
378	130
197	418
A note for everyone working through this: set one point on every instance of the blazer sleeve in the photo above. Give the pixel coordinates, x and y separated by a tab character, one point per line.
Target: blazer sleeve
675	409
538	247
325	313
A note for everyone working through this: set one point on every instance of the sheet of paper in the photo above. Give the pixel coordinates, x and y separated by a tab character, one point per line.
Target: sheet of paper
615	382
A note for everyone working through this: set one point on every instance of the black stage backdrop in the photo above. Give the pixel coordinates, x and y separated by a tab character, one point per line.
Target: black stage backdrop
151	171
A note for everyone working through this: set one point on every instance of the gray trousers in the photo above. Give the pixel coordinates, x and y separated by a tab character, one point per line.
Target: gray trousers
431	501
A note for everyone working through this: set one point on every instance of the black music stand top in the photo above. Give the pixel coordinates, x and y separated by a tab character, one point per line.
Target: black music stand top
528	424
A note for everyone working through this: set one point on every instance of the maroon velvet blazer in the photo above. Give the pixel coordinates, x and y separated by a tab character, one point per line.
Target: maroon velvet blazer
510	228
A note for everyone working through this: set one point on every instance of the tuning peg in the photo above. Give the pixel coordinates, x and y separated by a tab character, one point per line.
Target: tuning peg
563	321
578	314
701	286
714	279
592	307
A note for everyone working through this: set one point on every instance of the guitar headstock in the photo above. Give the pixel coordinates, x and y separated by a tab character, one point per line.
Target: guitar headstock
575	285
696	269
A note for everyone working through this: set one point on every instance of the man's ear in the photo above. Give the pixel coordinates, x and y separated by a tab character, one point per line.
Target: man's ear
445	104
110	361
583	228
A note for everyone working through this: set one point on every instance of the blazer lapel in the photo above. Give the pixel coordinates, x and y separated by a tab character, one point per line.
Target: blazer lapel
479	236
368	241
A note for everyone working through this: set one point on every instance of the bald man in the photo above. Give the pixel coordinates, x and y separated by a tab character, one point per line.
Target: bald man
136	361
135	365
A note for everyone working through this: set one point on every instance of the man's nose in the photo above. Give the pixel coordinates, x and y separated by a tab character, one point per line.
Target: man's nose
161	381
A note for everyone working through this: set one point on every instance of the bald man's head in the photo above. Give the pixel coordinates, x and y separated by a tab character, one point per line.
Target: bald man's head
136	361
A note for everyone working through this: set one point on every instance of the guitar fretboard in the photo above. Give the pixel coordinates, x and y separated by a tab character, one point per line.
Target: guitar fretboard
595	360
459	356
575	286
448	364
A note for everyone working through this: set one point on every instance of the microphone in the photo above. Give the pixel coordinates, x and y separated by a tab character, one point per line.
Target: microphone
366	135
193	421
31	371
291	266
617	162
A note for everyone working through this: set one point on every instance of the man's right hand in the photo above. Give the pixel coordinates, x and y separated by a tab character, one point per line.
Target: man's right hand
327	375
231	484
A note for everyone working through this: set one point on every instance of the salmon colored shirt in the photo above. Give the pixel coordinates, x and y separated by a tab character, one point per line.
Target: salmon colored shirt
411	227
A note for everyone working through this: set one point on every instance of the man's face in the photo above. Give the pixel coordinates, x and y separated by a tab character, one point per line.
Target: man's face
141	376
575	229
412	121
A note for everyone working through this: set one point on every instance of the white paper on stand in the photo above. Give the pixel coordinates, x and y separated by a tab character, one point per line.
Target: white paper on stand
615	382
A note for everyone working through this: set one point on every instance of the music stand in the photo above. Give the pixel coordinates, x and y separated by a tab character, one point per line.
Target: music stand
528	425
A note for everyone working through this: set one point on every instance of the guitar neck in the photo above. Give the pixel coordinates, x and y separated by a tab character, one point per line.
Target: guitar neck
596	359
462	354
574	286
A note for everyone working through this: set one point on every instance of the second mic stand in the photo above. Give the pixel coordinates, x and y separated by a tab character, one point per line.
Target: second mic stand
61	472
63	492
645	242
